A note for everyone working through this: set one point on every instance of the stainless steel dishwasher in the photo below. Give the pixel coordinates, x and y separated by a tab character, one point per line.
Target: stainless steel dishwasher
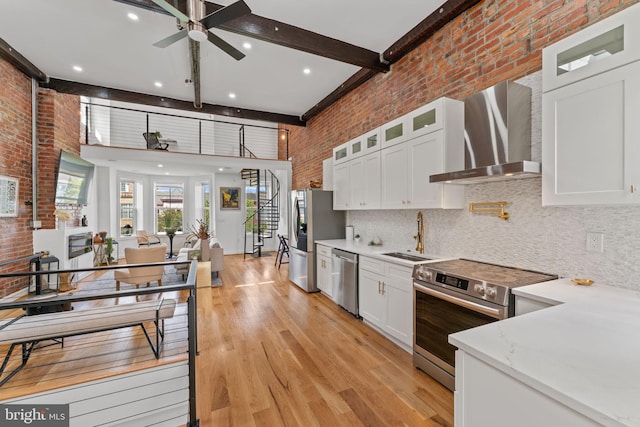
345	279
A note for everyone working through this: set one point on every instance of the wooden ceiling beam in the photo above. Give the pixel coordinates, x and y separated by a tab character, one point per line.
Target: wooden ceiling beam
426	28
286	35
82	89
418	35
20	62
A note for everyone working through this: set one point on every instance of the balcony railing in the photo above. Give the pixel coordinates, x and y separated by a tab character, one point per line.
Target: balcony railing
118	126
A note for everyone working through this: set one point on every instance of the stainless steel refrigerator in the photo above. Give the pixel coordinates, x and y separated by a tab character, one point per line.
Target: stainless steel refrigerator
311	218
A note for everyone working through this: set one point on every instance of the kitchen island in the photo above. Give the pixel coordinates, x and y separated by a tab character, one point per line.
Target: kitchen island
573	363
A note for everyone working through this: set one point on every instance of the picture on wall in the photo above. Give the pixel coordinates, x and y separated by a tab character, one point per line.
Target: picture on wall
229	197
8	196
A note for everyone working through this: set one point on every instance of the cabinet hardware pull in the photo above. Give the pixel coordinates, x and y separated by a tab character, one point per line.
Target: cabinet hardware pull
383	285
633	188
379	286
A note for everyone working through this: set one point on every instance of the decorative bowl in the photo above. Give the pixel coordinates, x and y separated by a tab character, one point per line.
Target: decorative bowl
583	282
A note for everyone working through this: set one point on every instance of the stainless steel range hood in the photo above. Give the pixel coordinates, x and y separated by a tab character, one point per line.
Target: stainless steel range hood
497	136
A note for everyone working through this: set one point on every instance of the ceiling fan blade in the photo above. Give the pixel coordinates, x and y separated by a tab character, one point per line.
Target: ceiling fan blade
171	39
225	14
172	10
235	53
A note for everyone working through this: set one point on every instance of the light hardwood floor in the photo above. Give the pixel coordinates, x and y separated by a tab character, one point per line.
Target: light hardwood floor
269	355
273	355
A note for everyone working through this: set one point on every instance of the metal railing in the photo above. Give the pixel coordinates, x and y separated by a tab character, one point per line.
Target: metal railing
124	127
41	305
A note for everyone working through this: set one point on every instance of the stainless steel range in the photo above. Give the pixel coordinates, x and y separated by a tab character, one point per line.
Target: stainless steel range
451	296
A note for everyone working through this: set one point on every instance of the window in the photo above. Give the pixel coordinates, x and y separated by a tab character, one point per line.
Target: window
168	207
127	198
206	203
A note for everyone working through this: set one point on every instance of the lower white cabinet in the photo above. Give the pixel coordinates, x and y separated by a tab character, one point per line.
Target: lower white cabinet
324	279
386	299
480	387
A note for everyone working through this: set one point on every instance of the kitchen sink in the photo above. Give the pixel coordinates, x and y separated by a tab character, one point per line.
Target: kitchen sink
407	257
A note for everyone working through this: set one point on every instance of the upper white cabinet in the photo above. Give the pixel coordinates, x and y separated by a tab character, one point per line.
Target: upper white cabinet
341	186
590	126
364	173
395	132
427	119
603	46
436	147
341	153
364	144
389	167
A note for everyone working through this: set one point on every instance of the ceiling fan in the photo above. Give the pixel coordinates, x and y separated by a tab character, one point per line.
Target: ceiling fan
197	26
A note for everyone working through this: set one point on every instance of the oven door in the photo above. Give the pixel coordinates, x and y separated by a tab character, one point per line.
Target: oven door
439	312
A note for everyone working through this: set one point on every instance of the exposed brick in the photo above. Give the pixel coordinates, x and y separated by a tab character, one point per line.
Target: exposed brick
493	41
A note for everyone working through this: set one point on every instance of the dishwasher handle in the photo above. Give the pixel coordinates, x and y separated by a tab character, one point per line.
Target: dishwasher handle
345	256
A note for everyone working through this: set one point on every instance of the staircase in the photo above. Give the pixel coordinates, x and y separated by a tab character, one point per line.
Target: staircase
263	220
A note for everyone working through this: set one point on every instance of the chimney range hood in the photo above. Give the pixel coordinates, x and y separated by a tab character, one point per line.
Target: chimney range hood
497	136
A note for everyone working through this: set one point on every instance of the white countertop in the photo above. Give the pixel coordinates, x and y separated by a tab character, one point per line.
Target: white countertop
377	252
584	352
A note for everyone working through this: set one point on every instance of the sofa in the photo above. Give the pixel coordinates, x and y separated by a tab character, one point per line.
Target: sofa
216	256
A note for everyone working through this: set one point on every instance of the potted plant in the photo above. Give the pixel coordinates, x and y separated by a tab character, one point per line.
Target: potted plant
170	220
109	248
201	231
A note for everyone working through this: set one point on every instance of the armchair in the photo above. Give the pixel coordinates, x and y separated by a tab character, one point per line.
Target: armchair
141	275
153	143
146	239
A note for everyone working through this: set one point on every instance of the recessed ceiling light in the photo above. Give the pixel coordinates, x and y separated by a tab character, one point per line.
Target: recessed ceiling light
166	173
160	165
307	71
221	169
232	95
77	68
132	16
246	45
158	84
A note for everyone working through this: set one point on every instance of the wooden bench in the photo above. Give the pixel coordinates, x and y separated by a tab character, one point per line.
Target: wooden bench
29	330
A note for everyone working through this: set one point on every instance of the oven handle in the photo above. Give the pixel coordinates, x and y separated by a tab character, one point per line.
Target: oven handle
488	311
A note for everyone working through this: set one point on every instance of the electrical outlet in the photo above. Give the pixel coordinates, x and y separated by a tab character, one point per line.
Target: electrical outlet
595	242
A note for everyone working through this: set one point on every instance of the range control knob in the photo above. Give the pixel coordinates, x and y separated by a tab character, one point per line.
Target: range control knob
490	292
479	289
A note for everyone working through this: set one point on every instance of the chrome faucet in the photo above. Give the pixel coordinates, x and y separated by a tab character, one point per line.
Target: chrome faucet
420	236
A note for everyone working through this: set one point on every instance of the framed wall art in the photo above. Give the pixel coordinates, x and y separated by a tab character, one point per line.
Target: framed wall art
8	196
229	197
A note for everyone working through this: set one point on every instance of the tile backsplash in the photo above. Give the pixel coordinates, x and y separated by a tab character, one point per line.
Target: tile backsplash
549	239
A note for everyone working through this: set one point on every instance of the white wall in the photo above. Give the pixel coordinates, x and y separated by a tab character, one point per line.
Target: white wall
550	239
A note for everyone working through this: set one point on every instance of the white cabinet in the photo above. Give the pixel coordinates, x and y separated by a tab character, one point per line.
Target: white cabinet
603	46
394	132
590	110
591	140
341	153
405	175
480	386
324	272
364	173
341	186
371	301
386	298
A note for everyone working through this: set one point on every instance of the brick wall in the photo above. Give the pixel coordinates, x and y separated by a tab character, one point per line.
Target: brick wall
491	42
58	129
15	161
